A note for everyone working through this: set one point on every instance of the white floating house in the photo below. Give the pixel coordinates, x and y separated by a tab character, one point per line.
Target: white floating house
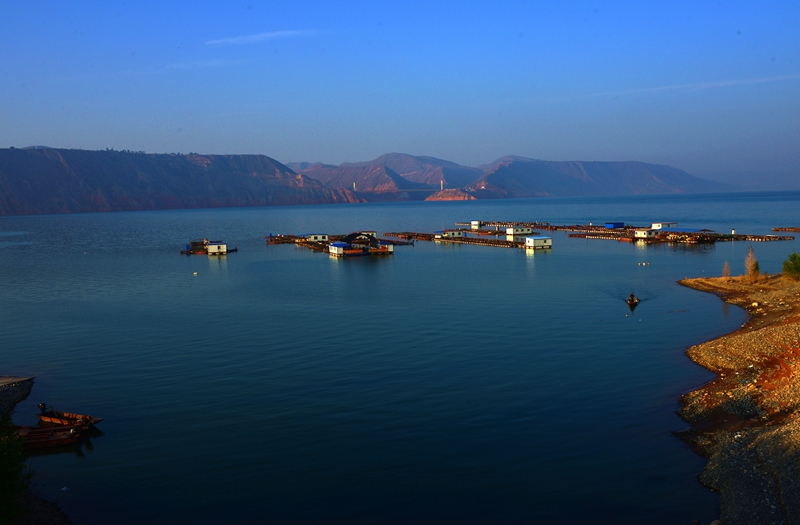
217	248
475	225
449	234
644	234
660	225
317	237
538	243
336	249
519	230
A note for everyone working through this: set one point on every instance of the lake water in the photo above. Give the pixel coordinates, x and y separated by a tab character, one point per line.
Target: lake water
444	384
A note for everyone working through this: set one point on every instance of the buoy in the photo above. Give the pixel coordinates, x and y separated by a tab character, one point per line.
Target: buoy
195	273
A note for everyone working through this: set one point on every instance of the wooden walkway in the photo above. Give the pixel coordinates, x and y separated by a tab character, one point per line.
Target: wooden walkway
457	240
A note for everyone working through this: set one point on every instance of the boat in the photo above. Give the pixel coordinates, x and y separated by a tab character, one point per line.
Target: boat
51	415
632	301
46	437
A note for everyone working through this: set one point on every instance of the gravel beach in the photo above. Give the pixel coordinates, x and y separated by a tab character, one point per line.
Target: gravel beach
745	420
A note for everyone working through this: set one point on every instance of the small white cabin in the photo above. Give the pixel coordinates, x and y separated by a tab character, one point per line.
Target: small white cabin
519	230
217	248
317	237
475	225
453	234
659	225
644	233
538	243
336	249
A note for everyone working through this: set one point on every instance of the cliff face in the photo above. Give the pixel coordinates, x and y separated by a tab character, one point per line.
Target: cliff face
34	181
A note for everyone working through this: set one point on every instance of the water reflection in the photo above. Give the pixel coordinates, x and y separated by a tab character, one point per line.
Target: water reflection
218	264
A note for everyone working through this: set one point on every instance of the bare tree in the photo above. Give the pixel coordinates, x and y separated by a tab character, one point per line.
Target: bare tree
726	270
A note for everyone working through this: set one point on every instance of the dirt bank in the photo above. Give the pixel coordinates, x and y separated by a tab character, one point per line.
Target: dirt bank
745	421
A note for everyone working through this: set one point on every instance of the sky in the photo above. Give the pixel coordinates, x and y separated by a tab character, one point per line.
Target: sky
709	87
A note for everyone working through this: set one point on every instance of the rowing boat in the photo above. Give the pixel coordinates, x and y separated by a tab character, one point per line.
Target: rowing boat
38	437
51	415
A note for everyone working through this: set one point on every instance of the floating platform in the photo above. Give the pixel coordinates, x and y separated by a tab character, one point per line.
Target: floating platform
206	247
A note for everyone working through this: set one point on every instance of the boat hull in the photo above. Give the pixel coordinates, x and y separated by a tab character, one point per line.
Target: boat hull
35	438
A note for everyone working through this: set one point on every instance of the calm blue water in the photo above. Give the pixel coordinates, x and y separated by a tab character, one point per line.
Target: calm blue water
446	384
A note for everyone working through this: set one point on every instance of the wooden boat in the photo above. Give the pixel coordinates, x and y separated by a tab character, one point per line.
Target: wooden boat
45	437
51	415
632	302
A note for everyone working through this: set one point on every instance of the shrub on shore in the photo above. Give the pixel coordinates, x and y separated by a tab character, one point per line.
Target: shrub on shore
751	269
791	266
14	476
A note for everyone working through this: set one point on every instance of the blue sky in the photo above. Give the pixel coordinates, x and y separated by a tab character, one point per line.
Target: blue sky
707	87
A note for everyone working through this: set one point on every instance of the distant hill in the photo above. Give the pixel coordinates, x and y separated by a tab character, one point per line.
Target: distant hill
522	177
44	180
426	170
374	178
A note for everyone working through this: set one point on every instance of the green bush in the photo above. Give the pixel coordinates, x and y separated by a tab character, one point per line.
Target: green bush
791	266
14	476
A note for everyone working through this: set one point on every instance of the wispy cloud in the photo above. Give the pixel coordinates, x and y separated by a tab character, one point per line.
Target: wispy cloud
260	37
699	86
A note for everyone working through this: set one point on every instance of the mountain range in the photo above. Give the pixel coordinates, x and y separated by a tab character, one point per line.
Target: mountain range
43	180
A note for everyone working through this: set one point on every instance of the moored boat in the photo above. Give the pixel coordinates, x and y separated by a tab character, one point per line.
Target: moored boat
51	415
45	437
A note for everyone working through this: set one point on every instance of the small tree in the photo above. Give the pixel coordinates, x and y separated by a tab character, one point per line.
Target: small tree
14	476
726	270
791	266
751	269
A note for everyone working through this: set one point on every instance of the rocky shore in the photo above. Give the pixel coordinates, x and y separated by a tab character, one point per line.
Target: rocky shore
39	511
745	421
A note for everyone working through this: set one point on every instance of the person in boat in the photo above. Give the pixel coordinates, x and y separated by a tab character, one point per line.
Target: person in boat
633	299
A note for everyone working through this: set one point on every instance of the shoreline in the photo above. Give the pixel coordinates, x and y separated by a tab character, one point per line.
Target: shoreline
40	511
744	420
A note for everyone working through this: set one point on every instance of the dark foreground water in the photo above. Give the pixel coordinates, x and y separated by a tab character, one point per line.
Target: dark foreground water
445	384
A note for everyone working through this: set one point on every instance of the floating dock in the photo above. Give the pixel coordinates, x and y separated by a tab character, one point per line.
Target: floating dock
368	243
355	244
206	247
